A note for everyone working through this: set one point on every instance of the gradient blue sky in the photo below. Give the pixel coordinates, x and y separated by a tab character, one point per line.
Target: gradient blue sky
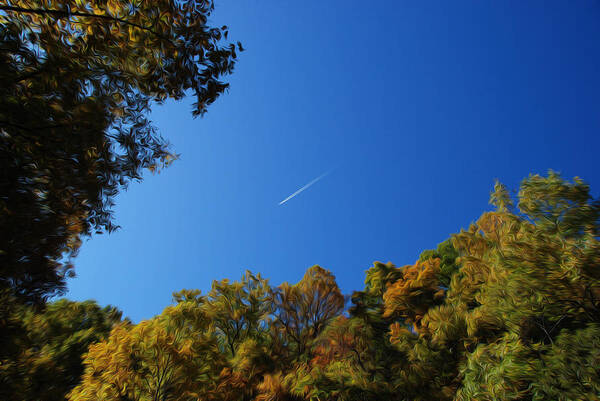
419	107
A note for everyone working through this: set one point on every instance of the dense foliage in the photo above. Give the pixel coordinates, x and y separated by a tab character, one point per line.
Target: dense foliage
508	309
41	352
77	79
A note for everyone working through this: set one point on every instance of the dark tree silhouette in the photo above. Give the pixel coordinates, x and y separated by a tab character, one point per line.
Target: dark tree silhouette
77	80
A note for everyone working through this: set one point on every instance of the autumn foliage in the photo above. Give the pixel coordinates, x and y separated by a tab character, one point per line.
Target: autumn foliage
508	309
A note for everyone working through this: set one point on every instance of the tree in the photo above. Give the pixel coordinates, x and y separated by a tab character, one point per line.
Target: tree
367	312
303	310
530	293
301	313
173	356
240	313
240	310
44	361
77	80
348	364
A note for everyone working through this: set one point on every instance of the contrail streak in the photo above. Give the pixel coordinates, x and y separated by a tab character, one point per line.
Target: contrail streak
305	187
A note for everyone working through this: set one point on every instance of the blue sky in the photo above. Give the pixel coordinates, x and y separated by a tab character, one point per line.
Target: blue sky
417	106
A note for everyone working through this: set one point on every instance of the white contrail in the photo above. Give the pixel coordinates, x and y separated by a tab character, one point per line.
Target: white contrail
305	187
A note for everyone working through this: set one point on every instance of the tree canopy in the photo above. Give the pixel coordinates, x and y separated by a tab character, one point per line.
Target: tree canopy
507	309
41	352
77	80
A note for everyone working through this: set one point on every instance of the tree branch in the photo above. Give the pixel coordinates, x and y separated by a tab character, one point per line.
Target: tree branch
69	14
